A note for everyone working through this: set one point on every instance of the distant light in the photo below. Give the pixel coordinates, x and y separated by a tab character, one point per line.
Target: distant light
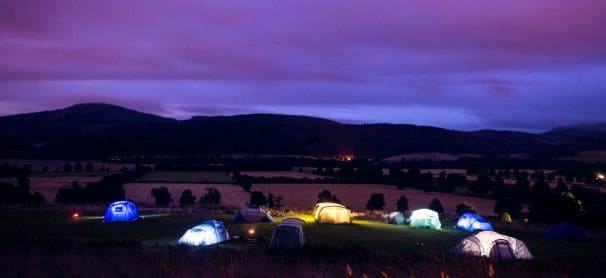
251	231
75	215
601	176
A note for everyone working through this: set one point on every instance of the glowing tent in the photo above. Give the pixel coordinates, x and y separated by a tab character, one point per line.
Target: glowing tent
207	233
425	218
252	214
493	245
332	213
566	231
506	218
121	211
288	234
472	222
396	218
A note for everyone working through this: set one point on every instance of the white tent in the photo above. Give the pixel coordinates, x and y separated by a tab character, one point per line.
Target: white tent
494	245
425	218
208	233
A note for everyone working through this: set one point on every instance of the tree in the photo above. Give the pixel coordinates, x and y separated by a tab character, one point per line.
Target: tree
274	201
561	186
402	204
23	189
556	207
45	168
443	183
67	167
327	196
464	208
246	186
187	198
482	185
258	198
78	167
509	205
37	198
376	202
212	196
436	206
89	167
162	196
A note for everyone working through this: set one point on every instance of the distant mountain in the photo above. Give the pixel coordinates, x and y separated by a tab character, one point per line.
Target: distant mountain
77	120
577	131
100	130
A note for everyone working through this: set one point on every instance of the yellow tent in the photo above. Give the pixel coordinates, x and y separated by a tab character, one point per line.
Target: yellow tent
333	213
506	218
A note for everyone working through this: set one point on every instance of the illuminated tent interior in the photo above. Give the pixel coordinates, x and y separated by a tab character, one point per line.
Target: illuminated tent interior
208	233
493	245
396	218
331	213
252	214
121	211
288	234
472	222
425	218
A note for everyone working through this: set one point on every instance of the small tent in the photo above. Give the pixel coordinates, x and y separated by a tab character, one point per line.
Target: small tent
288	234
252	214
493	245
332	213
566	231
472	222
396	218
506	218
425	218
207	233
121	211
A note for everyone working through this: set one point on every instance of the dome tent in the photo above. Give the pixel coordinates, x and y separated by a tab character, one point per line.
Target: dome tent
121	211
472	222
208	233
396	218
288	234
425	218
332	213
566	231
493	245
252	214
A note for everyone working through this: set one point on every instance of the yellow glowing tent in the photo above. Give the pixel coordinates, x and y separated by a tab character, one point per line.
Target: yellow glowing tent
333	213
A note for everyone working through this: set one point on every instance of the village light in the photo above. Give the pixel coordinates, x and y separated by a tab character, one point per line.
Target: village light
601	176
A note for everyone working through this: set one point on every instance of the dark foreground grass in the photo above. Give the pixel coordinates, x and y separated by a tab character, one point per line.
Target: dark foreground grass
47	243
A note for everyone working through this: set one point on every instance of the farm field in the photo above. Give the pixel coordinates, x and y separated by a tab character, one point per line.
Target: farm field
146	248
231	195
287	174
53	165
187	177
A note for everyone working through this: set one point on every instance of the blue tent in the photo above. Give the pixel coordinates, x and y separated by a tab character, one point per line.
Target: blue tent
472	222
566	231
396	218
121	211
252	214
207	233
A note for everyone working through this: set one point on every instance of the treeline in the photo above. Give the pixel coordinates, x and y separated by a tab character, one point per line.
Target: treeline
20	194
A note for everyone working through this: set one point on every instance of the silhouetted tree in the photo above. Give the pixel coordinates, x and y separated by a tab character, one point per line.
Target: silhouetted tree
376	202
162	196
464	208
258	198
402	204
561	186
212	196
45	168
187	198
89	167
482	185
78	167
67	167
509	205
436	206
327	196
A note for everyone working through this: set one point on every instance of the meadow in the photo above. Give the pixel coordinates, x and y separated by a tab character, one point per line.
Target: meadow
147	248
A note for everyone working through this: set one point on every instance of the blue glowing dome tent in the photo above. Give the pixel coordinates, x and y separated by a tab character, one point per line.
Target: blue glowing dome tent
121	211
566	231
396	218
208	233
472	222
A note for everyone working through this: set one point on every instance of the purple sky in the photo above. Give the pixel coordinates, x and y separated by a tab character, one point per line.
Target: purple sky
523	65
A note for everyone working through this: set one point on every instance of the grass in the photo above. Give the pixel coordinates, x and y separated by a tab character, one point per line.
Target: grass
49	243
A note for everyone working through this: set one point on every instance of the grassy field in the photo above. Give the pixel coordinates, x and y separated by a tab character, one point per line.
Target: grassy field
42	243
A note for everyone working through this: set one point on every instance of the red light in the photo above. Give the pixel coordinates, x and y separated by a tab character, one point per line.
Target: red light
75	215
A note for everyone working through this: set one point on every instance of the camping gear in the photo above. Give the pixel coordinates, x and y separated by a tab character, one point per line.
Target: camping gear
493	245
425	218
506	218
472	222
331	213
566	231
396	218
121	211
208	233
252	214
288	234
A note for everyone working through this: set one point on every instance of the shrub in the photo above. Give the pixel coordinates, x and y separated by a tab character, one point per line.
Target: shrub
274	201
327	196
402	204
376	202
464	208
162	196
187	198
258	198
436	206
556	207
212	196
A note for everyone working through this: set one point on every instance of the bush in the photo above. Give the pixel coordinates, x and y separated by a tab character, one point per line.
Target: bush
464	208
327	196
258	198
376	202
162	196
402	204
556	207
212	196
509	205
436	206
274	201
187	198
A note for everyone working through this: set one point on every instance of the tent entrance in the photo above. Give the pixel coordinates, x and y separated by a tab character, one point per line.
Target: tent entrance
501	250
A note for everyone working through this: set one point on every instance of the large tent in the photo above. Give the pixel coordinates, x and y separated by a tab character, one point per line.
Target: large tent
472	222
396	218
332	213
207	233
121	211
566	231
425	218
252	214
493	245
288	234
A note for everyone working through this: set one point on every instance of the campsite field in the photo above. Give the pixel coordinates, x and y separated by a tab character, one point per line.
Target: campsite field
146	248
